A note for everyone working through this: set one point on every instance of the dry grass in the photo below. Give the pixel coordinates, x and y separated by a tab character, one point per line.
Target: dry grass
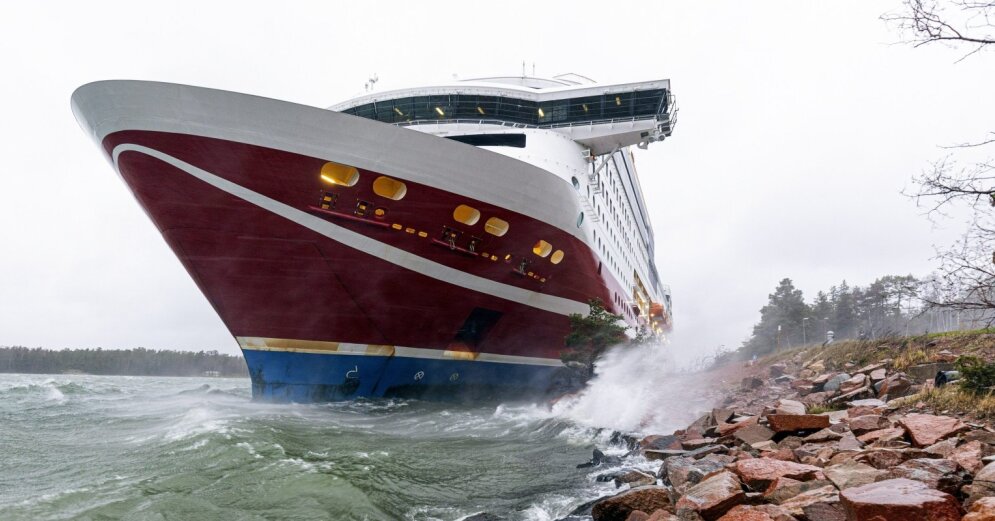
952	400
826	407
910	357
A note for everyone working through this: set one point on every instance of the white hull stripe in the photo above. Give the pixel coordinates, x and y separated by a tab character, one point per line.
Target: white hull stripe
350	349
366	244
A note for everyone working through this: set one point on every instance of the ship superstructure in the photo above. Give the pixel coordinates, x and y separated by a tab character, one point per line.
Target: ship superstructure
402	243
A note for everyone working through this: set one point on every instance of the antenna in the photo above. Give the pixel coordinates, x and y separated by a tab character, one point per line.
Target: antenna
371	82
523	68
533	69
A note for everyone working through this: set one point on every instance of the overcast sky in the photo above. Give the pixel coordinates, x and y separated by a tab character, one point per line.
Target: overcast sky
799	124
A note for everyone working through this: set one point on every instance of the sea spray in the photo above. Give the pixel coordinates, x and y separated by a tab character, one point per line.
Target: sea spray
639	389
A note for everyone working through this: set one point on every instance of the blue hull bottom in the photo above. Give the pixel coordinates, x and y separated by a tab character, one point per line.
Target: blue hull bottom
305	377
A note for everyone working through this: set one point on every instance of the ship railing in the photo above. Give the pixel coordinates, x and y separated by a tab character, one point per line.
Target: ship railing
663	119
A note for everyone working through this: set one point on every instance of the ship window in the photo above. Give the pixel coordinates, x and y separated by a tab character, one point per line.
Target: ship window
495	226
339	174
466	215
542	248
575	182
557	257
389	188
580	219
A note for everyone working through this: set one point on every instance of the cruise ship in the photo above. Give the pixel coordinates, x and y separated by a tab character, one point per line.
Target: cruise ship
422	242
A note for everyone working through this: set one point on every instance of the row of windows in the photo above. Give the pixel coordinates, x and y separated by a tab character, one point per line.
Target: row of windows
469	216
623	105
345	175
393	189
498	227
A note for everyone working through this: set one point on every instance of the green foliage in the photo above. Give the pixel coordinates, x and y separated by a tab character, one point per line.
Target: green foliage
133	362
887	307
780	321
590	336
977	376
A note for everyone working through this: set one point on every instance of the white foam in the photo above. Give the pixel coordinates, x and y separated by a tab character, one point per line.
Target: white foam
637	389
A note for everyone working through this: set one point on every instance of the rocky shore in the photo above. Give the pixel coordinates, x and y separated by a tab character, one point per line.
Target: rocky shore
811	440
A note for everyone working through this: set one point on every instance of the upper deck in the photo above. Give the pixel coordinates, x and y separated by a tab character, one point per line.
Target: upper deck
600	117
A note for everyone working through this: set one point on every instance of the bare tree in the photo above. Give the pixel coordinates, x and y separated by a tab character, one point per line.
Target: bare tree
956	22
966	276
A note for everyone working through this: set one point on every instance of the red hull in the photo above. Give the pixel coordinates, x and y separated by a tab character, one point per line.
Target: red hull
270	277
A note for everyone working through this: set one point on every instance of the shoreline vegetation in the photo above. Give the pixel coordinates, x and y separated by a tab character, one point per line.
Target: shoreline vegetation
120	362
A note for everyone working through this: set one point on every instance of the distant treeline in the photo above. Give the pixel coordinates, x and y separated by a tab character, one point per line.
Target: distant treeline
129	362
894	305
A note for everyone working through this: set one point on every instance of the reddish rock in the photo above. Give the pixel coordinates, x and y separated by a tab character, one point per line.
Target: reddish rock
660	442
944	356
927	429
634	478
983	436
941	474
899	499
777	370
803	386
660	455
853	384
760	472
868	423
796	506
697	443
753	434
682	473
797	422
867	369
982	510
888	458
662	515
721	415
618	507
983	485
849	442
712	497
816	398
895	386
789	407
824	512
637	515
853	474
943	448
783	489
751	382
969	455
782	454
866	406
896	433
823	436
757	513
878	374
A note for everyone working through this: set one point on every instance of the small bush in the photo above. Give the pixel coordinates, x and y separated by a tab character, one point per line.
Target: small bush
977	376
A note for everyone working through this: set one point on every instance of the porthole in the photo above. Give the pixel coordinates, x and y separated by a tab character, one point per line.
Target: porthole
542	248
580	219
389	188
557	257
495	226
575	182
466	215
343	175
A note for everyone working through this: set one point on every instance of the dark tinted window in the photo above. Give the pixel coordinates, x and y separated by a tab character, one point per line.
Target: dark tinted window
622	105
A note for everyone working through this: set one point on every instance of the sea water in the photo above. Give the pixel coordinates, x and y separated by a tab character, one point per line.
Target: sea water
117	447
